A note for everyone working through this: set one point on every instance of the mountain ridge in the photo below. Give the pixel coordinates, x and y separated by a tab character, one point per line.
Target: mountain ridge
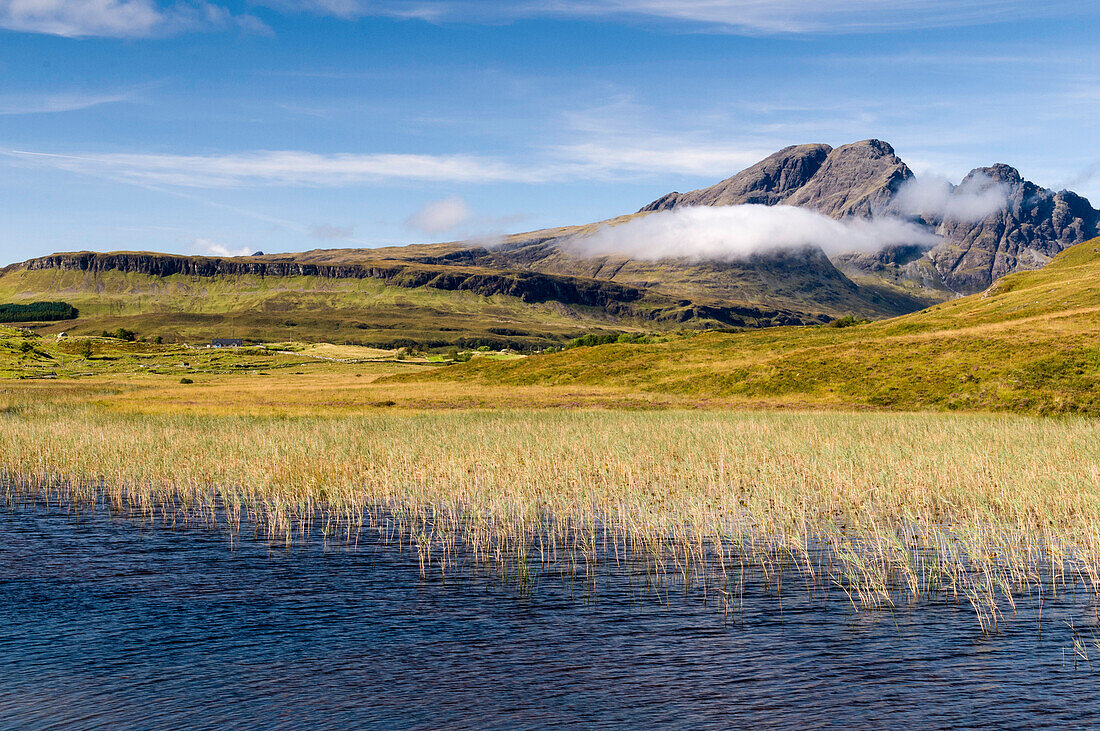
768	287
863	179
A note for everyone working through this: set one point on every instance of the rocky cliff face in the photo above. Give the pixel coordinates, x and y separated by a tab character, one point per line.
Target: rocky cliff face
614	298
863	179
528	286
768	182
853	180
1034	225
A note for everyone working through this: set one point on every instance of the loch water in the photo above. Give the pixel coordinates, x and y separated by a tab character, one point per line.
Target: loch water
107	623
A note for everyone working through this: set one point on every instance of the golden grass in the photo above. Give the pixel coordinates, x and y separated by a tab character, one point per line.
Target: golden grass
1031	343
892	508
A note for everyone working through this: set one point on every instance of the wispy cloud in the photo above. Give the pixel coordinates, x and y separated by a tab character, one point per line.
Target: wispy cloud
283	168
744	16
621	137
119	18
437	217
655	155
596	160
12	104
934	197
454	216
146	18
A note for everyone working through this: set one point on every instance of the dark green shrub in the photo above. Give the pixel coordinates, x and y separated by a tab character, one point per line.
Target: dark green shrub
846	321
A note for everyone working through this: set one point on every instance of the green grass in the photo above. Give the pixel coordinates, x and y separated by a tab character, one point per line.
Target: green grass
1031	344
358	311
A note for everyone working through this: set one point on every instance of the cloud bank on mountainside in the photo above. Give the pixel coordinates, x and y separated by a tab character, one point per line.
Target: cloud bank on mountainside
734	232
934	197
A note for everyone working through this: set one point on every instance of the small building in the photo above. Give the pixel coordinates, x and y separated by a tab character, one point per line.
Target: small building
226	342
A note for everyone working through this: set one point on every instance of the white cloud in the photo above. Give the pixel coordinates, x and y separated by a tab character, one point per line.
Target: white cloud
53	103
144	18
600	159
936	198
282	168
799	16
733	232
213	248
437	217
119	18
744	16
597	160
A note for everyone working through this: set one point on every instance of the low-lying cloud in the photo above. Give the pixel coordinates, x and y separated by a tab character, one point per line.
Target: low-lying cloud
735	232
936	198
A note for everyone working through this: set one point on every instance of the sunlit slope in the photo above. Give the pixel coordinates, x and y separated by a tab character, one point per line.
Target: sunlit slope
363	311
1030	343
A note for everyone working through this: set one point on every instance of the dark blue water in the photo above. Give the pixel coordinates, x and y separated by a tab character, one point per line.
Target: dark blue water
104	624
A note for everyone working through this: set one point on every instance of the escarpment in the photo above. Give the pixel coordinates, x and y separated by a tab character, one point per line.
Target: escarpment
617	300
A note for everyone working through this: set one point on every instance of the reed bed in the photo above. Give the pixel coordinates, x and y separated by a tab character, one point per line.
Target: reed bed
891	509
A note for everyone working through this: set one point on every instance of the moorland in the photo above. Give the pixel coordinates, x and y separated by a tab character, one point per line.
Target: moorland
944	455
848	421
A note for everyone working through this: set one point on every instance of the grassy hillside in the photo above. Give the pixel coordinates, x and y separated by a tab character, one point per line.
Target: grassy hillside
360	311
1030	343
529	292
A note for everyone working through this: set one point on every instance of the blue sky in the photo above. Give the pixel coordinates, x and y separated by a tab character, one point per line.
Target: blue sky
284	125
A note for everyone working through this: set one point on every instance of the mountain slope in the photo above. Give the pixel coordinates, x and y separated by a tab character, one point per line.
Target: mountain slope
357	297
1030	343
864	178
538	285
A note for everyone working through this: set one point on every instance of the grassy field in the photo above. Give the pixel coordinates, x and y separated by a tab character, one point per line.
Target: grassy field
1029	344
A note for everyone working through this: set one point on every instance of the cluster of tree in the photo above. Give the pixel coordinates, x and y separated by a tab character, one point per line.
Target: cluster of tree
120	334
37	312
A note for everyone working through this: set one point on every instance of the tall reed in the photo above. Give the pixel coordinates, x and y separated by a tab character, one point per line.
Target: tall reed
891	508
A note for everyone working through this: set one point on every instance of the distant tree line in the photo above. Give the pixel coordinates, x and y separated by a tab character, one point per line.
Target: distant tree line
37	312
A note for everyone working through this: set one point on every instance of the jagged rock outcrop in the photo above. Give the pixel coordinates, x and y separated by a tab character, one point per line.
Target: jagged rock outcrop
1033	226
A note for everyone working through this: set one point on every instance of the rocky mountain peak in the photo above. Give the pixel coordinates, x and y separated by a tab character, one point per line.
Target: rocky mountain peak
767	182
999	173
854	179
